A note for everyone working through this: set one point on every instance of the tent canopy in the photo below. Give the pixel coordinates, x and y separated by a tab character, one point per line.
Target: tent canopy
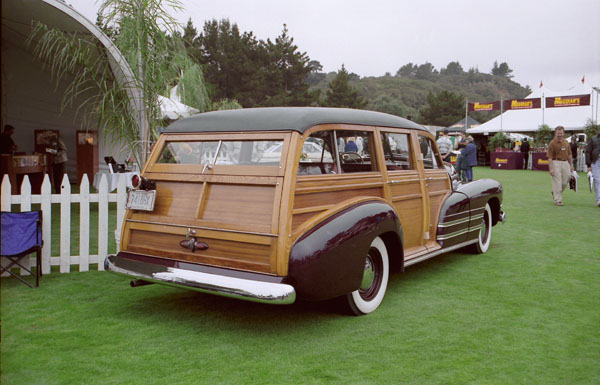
460	125
571	118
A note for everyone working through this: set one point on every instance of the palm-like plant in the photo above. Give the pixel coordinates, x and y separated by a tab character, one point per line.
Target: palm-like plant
141	29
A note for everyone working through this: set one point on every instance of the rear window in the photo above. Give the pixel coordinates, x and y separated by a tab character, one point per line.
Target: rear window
223	152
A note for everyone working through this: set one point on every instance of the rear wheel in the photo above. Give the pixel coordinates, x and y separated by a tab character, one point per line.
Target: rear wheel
485	233
374	283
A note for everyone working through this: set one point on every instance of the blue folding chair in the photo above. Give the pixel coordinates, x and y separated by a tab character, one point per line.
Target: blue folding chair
21	235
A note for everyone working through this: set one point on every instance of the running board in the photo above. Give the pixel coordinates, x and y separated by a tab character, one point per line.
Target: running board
422	258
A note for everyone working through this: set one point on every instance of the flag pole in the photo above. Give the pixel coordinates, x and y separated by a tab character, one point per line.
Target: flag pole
501	108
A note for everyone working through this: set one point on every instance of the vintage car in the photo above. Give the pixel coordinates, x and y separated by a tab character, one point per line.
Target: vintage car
230	203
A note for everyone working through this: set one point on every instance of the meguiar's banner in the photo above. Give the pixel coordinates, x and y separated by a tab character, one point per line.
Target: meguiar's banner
522	104
487	106
568	101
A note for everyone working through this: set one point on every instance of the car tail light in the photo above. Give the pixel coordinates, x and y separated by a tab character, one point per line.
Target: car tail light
135	181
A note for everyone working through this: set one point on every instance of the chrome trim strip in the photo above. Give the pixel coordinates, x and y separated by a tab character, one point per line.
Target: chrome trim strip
438	252
201	228
453	223
452	235
250	290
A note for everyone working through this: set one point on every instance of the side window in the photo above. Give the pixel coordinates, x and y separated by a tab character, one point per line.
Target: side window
356	151
431	159
316	155
396	149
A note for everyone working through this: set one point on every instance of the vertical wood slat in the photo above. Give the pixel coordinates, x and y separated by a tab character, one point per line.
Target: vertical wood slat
46	207
84	224
102	221
65	225
121	199
26	206
5	205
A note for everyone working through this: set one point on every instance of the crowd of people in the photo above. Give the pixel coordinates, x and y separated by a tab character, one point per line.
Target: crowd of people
561	154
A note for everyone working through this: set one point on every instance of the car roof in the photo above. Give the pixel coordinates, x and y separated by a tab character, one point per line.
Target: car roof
284	119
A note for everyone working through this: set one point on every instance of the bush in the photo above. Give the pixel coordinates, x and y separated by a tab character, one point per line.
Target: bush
542	136
499	140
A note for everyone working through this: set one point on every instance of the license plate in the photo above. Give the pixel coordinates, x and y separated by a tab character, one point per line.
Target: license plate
141	200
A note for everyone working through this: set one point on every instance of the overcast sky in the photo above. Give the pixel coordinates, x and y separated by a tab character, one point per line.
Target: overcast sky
554	41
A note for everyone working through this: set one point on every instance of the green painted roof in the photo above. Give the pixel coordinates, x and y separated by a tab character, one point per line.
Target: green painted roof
284	119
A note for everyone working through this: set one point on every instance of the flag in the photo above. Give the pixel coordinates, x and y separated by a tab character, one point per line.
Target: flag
583	80
541	84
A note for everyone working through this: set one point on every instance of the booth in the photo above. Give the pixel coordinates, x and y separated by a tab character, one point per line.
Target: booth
507	160
539	161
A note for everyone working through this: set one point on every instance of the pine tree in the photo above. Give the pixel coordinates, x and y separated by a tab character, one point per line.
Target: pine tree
342	94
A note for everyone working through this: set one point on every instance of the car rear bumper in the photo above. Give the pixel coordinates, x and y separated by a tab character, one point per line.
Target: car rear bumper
188	276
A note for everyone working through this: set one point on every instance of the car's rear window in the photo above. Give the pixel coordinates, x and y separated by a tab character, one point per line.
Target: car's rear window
224	152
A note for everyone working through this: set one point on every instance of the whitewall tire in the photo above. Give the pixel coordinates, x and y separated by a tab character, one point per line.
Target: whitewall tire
375	278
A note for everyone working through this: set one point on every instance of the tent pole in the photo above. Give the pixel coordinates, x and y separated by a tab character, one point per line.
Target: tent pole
501	111
467	115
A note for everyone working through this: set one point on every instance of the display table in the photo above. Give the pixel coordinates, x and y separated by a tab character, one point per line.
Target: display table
111	179
539	161
17	166
507	160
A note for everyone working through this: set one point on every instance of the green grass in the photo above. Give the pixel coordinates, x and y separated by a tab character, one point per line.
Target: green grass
527	312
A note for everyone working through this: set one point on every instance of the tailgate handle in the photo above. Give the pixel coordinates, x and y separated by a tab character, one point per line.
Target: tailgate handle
193	244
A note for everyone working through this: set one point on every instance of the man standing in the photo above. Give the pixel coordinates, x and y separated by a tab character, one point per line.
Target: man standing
470	154
560	163
7	145
592	159
444	145
525	150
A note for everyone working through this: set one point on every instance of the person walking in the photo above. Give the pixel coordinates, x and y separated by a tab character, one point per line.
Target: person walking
470	154
7	145
525	150
592	159
560	163
445	146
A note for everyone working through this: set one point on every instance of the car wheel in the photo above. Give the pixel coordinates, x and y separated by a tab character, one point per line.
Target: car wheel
485	233
375	278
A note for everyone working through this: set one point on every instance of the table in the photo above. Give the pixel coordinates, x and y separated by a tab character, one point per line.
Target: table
507	160
112	179
17	166
539	161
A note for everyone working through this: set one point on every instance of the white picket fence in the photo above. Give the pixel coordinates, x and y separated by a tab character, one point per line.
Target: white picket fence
66	200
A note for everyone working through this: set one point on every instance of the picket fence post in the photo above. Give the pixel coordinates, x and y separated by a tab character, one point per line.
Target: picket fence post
102	221
26	206
84	224
65	225
5	205
46	207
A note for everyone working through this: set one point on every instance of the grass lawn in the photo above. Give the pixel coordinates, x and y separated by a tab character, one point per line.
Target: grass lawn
527	312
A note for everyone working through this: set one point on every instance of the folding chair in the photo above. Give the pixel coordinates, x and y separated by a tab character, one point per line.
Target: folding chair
21	235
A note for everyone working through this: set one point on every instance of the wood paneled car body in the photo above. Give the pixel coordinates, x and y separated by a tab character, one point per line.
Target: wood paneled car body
231	205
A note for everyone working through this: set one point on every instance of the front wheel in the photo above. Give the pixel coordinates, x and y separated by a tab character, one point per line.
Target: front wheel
485	233
374	283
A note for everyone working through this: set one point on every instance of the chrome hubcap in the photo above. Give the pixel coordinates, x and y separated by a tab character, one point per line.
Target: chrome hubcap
368	275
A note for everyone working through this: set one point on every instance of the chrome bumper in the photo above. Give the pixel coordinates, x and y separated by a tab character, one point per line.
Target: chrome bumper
240	288
502	217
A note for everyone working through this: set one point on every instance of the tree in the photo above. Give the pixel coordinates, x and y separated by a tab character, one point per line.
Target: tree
342	94
425	71
502	70
453	68
407	70
287	70
445	108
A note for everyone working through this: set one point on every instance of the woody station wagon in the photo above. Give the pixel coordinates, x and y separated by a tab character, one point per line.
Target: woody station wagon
275	204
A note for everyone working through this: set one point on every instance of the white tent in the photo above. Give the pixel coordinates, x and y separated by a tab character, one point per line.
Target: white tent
571	118
172	109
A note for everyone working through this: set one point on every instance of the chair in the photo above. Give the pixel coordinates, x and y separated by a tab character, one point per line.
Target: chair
21	235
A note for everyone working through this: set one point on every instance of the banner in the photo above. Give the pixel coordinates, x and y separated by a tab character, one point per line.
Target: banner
568	101
487	106
522	104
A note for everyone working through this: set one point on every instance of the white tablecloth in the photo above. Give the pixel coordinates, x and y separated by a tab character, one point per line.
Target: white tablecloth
112	179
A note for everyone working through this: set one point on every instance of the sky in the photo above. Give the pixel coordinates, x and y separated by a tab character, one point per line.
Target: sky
556	42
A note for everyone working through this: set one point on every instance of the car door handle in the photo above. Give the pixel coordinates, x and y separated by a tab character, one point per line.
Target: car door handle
393	182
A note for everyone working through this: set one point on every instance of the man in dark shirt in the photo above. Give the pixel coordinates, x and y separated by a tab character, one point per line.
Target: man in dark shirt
7	145
525	150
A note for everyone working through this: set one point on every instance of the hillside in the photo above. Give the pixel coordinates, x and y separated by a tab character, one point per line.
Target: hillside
405	96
